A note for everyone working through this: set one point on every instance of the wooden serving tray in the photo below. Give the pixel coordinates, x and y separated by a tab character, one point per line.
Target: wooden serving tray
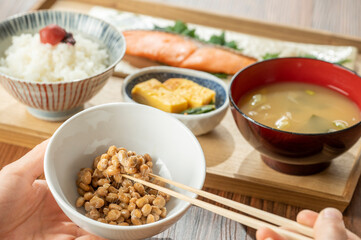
232	164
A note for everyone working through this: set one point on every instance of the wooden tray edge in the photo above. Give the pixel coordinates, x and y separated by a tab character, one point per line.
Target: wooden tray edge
253	189
353	180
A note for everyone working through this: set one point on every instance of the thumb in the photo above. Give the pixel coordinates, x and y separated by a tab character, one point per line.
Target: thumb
330	226
30	166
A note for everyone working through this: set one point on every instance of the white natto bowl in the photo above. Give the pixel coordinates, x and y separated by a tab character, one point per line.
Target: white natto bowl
200	123
175	151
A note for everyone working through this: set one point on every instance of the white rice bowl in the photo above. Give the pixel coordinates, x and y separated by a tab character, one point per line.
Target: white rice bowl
30	60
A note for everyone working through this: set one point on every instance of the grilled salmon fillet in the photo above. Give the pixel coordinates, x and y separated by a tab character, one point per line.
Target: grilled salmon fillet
179	51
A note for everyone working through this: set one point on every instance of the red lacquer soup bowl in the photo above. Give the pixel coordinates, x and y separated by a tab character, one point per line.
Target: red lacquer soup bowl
290	152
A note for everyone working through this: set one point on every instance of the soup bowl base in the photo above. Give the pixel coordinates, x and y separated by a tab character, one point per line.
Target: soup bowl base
52	115
294	169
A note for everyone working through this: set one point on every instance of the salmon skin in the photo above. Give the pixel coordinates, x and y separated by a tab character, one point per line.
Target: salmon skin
179	51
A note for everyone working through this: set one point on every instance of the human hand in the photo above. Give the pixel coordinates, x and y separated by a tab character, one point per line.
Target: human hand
328	225
28	210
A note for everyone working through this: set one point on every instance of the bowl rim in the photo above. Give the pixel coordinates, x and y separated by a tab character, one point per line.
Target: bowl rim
61	202
108	68
184	71
283	131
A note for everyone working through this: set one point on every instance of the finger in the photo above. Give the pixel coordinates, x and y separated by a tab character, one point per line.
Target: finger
31	165
90	237
330	226
84	235
351	235
267	234
307	217
49	201
69	228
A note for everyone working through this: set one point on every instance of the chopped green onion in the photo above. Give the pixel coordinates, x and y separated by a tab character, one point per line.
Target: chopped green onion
199	110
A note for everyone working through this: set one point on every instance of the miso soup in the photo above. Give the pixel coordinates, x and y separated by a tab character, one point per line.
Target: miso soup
300	107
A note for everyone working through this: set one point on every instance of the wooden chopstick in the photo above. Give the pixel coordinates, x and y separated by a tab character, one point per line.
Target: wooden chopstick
265	216
245	220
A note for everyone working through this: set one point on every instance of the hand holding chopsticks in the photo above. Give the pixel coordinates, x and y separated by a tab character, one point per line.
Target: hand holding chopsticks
298	231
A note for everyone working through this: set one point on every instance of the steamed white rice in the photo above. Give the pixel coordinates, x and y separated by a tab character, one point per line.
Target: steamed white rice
30	60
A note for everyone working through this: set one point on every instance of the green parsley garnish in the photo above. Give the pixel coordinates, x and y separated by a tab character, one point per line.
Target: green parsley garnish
180	27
